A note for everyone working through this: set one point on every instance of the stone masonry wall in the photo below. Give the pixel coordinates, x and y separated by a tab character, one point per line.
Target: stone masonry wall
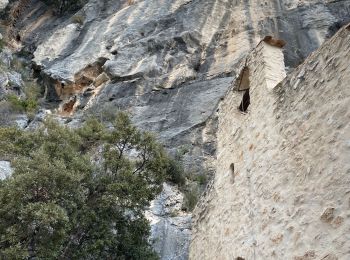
282	184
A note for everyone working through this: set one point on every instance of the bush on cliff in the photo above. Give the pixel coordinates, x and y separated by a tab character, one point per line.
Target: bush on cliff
65	202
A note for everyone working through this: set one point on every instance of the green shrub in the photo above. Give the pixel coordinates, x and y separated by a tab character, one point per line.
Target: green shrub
202	179
16	103
105	113
19	66
29	103
22	105
59	204
5	112
183	150
191	197
176	173
79	19
2	44
199	178
31	89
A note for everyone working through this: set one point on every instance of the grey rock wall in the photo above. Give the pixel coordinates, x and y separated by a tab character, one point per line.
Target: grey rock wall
162	55
170	232
169	62
154	45
5	169
3	4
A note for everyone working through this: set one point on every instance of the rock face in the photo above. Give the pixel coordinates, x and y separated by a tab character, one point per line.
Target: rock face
11	82
5	169
3	4
158	51
170	230
171	41
167	62
163	44
281	188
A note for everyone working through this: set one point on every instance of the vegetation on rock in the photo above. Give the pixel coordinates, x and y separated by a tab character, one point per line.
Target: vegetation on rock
176	173
191	196
78	19
67	201
19	91
18	104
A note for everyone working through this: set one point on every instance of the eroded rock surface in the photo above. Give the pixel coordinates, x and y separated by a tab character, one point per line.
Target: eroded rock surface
167	43
167	62
3	4
5	169
152	45
170	226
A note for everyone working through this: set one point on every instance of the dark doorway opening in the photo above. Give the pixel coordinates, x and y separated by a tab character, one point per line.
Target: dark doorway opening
245	102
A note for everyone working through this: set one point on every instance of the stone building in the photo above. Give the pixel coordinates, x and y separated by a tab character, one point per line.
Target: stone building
282	183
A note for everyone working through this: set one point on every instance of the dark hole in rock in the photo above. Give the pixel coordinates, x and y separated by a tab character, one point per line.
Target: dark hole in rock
335	27
68	107
232	172
245	101
197	67
232	168
87	93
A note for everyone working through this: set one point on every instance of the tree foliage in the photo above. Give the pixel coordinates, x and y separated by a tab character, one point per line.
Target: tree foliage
65	201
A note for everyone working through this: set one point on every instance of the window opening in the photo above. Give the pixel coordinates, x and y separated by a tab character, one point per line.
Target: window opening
232	173
245	102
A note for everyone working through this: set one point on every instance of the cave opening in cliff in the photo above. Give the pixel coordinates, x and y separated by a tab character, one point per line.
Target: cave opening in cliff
243	107
69	106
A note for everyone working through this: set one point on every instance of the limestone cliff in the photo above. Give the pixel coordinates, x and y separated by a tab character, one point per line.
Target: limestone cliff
167	62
